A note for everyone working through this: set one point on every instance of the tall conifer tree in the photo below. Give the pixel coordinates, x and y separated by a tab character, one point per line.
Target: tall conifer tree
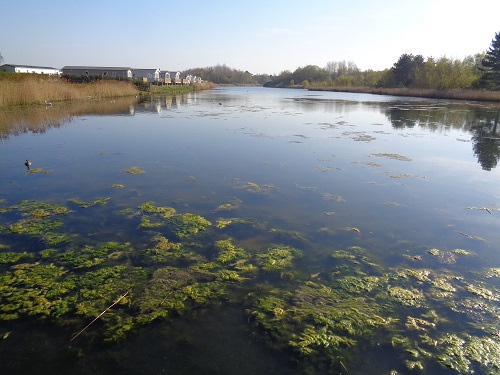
490	65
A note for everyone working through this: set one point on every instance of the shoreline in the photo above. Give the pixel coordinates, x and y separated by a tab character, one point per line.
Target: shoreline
39	90
474	95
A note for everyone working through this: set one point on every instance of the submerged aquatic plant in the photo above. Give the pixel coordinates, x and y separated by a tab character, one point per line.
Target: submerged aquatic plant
12	257
392	156
83	204
34	289
277	258
37	220
133	170
407	297
188	224
462	353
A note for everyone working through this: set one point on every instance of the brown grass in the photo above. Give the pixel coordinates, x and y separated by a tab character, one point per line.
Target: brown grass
35	90
204	86
476	95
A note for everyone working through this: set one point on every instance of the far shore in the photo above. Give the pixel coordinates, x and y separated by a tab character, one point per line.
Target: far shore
474	95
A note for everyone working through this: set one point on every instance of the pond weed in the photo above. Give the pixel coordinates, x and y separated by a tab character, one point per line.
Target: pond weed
133	170
277	258
12	257
88	204
36	219
392	156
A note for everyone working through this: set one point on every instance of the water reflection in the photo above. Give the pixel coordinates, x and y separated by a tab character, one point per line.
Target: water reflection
477	119
40	119
485	141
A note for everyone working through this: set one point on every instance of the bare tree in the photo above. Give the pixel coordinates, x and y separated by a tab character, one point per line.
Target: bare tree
1	57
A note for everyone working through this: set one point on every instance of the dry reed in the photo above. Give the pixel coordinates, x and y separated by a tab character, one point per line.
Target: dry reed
204	86
32	90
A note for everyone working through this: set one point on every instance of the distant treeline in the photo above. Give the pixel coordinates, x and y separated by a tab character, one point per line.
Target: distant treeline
223	75
480	71
409	71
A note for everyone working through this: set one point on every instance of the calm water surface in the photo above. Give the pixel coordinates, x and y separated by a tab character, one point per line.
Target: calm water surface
359	235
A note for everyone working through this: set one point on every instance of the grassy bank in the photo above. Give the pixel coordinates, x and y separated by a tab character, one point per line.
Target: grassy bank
180	89
35	89
476	95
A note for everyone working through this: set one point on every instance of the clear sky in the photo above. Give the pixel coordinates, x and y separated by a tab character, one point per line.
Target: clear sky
261	36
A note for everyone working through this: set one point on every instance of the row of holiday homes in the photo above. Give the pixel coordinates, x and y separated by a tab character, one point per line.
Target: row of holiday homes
145	75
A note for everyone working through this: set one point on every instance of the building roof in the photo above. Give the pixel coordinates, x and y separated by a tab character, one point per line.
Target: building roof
29	66
98	67
146	70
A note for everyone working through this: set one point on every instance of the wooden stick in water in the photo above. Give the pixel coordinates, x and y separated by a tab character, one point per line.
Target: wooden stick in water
345	368
101	314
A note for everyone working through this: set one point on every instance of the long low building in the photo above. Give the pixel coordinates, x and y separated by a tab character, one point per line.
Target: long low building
114	72
146	75
14	68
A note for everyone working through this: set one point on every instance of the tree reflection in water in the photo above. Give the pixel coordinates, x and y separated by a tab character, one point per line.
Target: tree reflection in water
485	141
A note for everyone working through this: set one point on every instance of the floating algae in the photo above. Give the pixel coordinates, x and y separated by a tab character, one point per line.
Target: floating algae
354	284
175	290
421	274
464	353
392	156
235	204
316	321
222	223
35	290
188	224
83	204
277	258
133	170
252	187
444	257
38	221
483	292
183	225
418	324
492	272
164	212
313	338
89	256
38	170
463	252
164	250
12	257
407	297
227	252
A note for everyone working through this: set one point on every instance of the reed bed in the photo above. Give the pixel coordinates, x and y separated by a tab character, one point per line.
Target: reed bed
475	95
32	90
204	86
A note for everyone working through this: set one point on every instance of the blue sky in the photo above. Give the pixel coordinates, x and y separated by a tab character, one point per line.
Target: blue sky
258	36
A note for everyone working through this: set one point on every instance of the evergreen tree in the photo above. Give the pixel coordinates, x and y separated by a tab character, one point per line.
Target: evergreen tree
404	70
490	65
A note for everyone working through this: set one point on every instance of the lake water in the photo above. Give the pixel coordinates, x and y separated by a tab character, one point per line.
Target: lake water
250	230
